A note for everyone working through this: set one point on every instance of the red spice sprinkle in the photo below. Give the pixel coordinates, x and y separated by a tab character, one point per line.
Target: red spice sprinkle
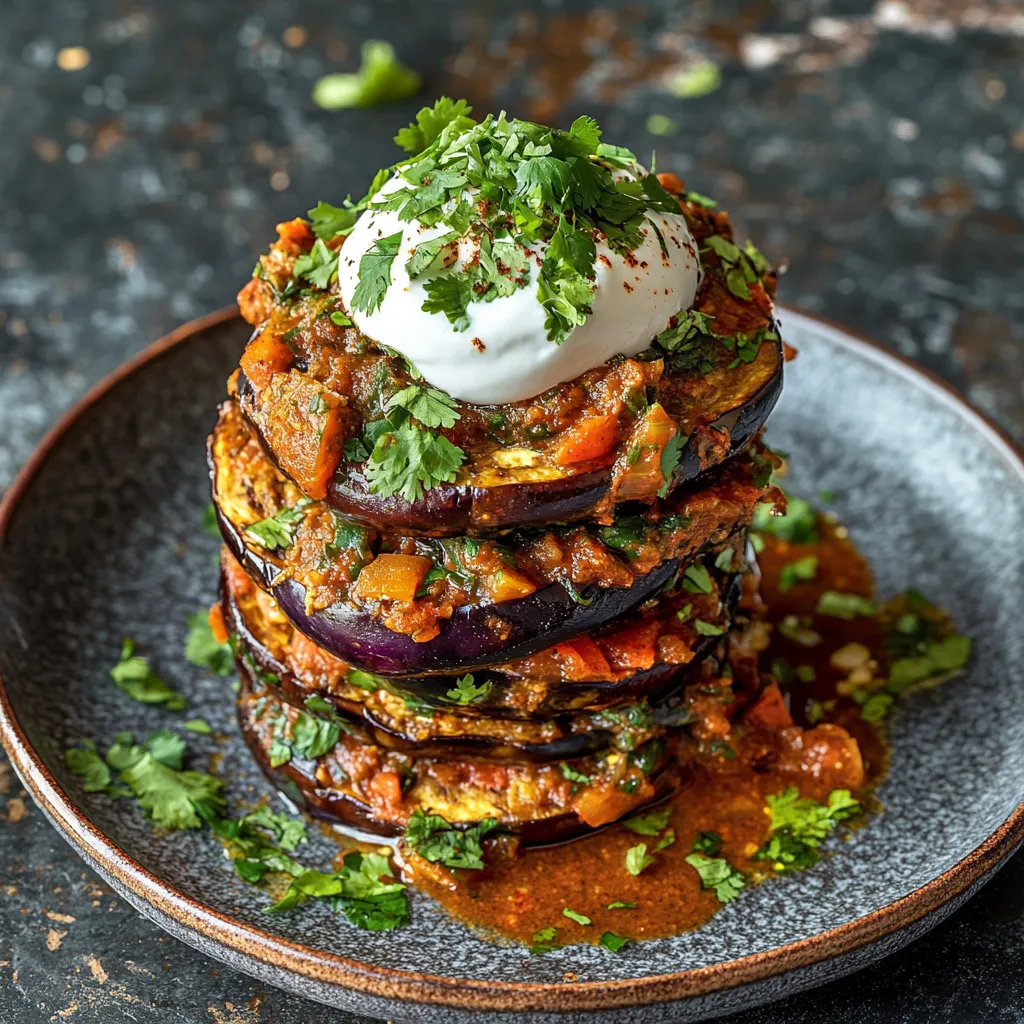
627	286
477	344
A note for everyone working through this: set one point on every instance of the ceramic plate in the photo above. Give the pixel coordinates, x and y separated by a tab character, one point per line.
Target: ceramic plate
101	537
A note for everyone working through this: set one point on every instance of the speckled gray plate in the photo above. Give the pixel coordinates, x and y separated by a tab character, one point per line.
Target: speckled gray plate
101	537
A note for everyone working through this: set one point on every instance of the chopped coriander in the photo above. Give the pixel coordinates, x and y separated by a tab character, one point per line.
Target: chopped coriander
312	737
707	628
685	612
708	843
799	524
467	691
670	456
651	823
621	905
805	568
938	658
799	824
718	874
844	606
436	840
375	273
543	941
210	521
612	941
667	840
329	222
319	266
381	78
279	530
701	200
697	579
339	319
198	725
637	858
89	767
571	775
134	677
202	648
408	461
578	918
724	560
431	407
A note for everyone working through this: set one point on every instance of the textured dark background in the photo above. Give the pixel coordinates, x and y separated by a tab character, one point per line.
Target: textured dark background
879	144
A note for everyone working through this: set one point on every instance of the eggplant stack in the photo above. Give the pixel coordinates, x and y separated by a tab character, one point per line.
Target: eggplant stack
513	617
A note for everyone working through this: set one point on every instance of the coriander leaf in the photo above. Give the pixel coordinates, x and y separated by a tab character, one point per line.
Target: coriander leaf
88	766
578	918
204	650
168	748
844	606
279	530
707	628
198	725
409	461
805	568
434	839
798	826
637	859
939	658
697	580
651	823
330	221
571	775
313	737
431	407
175	799
375	273
543	941
620	905
670	456
451	295
724	560
612	941
799	525
708	843
718	874
339	319
431	121
318	266
701	200
585	131
466	691
134	677
381	78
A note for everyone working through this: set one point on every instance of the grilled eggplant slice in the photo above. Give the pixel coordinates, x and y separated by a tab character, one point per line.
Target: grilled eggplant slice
361	785
460	625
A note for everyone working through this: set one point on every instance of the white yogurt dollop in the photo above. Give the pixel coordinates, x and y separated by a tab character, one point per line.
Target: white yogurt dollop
505	356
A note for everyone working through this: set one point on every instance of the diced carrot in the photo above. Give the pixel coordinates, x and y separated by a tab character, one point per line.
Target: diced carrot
671	182
632	647
392	577
386	789
642	476
264	356
598	806
789	353
770	711
218	626
507	584
589	439
304	424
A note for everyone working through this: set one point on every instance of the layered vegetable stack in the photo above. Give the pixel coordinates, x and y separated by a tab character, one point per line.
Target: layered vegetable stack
458	618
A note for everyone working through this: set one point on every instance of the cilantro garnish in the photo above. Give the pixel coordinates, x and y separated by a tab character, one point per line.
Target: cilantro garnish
578	918
718	874
330	221
708	843
381	78
466	691
202	648
278	531
408	461
670	456
620	905
436	840
707	628
312	737
844	606
612	941
543	941
318	266
87	764
375	273
799	525
805	568
799	824
133	676
571	775
651	823
697	580
637	858
429	406
199	726
541	185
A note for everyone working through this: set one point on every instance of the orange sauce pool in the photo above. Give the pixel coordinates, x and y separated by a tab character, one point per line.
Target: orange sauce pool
519	896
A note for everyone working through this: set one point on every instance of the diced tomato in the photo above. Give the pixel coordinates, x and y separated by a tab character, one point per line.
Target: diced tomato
296	234
632	647
591	655
589	439
769	710
386	789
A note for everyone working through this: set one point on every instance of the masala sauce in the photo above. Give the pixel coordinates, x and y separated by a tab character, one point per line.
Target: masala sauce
520	895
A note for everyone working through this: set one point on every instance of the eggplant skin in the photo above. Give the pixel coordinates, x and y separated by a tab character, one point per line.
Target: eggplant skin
297	779
450	510
474	637
653	685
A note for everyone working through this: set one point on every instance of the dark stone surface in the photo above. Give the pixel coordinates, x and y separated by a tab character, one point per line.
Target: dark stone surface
879	145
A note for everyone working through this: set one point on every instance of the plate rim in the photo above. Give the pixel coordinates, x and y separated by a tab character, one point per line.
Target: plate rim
335	969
